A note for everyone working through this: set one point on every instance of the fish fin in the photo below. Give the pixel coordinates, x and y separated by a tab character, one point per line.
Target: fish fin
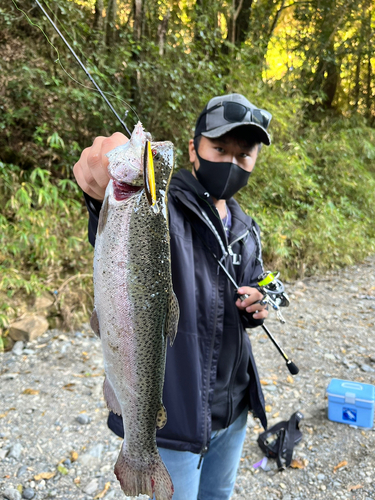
173	315
94	323
138	477
110	397
103	216
161	417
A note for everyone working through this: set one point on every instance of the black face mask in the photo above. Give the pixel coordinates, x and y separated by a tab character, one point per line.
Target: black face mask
221	179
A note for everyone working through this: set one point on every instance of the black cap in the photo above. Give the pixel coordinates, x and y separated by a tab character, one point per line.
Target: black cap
227	112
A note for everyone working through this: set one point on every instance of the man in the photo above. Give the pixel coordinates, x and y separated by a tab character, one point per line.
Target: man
211	381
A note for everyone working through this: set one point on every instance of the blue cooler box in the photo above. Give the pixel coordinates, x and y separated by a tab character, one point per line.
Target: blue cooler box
351	402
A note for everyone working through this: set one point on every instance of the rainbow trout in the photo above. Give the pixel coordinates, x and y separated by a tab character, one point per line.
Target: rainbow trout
135	307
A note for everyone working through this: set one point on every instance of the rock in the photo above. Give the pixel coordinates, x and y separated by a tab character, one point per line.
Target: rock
96	451
18	348
28	328
91	487
28	493
321	477
3	454
42	303
28	351
21	471
367	368
83	419
328	355
15	451
11	494
92	457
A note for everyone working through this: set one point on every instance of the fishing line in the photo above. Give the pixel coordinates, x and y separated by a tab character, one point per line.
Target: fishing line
70	76
89	61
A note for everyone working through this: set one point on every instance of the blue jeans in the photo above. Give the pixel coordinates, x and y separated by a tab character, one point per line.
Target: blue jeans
216	477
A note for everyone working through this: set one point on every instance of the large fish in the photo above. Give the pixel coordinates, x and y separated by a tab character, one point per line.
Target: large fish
135	307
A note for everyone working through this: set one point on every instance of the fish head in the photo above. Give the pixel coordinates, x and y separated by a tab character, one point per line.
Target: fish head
126	161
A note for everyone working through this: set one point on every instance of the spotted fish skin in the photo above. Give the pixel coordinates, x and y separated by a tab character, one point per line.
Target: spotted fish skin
135	312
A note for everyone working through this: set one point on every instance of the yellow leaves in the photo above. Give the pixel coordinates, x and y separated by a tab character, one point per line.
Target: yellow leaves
356	487
102	493
77	480
69	387
340	465
290	379
73	456
3	415
268	408
44	475
31	392
299	463
63	470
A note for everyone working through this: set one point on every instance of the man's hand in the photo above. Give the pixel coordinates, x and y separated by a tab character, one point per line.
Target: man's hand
251	304
91	169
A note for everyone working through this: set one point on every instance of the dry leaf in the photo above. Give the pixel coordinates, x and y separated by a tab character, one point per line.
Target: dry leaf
44	475
268	408
341	464
32	392
264	382
68	387
102	493
290	379
77	480
73	456
299	463
356	487
276	414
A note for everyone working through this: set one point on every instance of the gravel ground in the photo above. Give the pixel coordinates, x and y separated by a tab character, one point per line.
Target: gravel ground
54	442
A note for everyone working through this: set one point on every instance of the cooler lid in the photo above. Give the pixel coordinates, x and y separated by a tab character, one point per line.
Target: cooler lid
351	391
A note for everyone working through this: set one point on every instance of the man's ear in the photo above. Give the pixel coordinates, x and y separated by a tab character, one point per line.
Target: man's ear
192	154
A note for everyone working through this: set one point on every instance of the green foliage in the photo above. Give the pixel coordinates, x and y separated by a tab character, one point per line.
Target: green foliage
312	191
314	194
42	232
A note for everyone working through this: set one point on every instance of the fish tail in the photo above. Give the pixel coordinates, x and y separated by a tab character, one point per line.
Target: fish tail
137	477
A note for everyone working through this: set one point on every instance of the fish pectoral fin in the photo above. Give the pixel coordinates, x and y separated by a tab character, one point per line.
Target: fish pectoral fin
110	397
171	321
94	323
161	417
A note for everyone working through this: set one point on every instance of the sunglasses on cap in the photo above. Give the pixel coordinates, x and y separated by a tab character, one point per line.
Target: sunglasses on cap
236	112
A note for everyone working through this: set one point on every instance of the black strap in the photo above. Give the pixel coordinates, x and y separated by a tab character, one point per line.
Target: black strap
287	436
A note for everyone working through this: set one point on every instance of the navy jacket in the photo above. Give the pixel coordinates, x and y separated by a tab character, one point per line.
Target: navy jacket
204	292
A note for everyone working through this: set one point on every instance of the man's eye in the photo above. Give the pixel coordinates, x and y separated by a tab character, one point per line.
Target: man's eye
219	149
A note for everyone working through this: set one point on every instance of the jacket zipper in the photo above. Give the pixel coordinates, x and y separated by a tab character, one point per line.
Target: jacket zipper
205	437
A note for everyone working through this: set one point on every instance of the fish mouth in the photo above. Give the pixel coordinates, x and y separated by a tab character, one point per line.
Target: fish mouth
122	191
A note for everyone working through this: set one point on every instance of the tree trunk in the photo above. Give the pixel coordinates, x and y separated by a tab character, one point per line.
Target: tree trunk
98	17
137	30
111	20
162	30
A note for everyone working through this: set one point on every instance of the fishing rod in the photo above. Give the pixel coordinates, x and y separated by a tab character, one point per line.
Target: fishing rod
83	67
273	292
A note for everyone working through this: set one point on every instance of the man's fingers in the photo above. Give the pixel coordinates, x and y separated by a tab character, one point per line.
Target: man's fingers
96	173
91	171
109	143
84	185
